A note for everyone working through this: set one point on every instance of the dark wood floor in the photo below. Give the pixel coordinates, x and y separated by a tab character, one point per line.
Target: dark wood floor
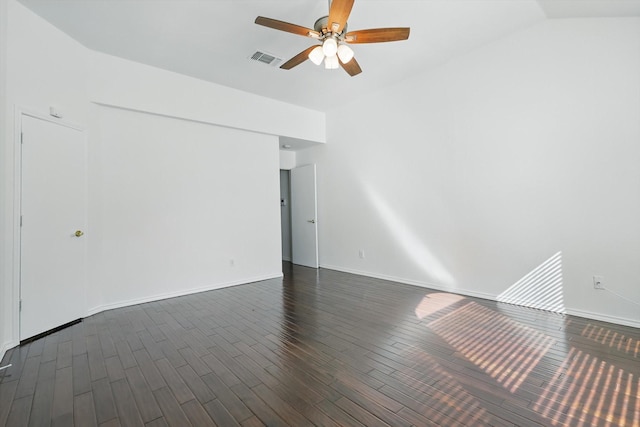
326	348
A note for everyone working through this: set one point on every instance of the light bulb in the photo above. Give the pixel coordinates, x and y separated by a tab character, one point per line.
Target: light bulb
331	62
345	53
316	55
330	47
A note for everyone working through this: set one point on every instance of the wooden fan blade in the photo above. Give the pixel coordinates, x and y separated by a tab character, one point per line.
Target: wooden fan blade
378	35
352	67
338	14
285	26
298	59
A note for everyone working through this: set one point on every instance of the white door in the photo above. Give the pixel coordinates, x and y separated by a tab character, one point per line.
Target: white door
52	242
304	227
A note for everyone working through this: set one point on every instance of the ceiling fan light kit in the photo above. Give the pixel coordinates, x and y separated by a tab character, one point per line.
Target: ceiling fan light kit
316	55
330	47
331	30
345	53
331	62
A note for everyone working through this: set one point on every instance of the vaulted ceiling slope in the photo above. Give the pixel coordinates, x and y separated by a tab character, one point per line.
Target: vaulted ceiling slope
214	40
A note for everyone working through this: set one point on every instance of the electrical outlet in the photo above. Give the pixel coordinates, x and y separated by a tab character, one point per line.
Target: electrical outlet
598	282
361	253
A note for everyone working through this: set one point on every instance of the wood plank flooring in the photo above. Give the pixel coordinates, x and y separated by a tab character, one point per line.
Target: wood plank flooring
326	348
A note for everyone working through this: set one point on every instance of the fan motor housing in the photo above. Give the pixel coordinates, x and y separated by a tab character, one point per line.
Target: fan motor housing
322	27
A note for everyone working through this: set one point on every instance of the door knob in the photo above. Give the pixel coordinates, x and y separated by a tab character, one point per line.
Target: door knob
79	233
312	221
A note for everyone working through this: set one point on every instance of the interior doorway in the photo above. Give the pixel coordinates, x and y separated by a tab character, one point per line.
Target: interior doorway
285	213
298	208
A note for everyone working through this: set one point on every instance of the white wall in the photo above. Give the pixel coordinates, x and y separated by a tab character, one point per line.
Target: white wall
287	159
476	173
189	164
180	206
123	83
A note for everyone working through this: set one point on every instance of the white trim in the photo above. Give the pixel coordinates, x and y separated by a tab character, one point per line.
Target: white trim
177	117
6	275
17	208
19	112
412	282
604	318
46	117
6	347
167	295
99	309
570	311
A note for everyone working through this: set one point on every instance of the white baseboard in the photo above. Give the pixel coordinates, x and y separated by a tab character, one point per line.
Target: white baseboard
158	297
571	311
7	346
604	317
412	282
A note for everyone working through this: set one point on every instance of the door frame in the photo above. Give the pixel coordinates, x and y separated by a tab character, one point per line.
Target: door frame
19	112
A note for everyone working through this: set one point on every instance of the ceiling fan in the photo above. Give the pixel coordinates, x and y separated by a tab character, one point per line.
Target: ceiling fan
331	31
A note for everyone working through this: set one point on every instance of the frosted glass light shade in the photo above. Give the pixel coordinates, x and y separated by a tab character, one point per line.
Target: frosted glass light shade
330	47
345	53
316	55
331	62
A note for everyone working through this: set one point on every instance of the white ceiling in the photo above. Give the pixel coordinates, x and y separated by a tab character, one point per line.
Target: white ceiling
590	8
213	39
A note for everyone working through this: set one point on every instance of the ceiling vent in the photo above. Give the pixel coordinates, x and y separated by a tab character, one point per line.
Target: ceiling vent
266	58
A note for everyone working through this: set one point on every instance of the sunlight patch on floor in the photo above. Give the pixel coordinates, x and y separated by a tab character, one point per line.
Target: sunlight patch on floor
587	391
503	348
435	302
612	339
